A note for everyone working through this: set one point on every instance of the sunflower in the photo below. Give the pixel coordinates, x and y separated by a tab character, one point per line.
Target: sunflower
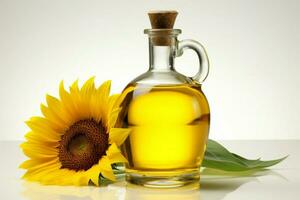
75	141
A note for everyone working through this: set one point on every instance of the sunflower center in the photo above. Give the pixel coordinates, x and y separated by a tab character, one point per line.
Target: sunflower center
82	145
79	145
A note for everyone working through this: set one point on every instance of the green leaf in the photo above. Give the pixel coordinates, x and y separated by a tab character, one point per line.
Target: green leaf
218	157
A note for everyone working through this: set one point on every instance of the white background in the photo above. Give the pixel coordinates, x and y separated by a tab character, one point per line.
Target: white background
253	46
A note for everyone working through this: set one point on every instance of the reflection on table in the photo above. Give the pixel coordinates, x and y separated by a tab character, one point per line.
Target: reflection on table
212	187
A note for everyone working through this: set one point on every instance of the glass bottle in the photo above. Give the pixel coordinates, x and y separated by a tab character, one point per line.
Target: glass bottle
167	112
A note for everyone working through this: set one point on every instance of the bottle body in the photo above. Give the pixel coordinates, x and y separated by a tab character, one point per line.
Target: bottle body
169	128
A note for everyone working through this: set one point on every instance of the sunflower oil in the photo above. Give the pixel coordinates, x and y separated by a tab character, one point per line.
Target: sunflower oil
169	129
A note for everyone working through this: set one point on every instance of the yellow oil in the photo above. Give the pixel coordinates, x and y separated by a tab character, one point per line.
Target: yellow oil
169	128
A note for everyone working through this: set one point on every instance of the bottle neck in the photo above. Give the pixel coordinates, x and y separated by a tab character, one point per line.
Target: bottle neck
162	55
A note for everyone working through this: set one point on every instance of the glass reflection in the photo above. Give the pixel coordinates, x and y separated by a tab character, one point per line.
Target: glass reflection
213	186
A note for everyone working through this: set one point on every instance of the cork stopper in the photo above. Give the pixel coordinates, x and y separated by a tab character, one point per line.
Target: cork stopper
164	21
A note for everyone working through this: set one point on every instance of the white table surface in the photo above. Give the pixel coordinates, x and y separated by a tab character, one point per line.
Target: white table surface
282	182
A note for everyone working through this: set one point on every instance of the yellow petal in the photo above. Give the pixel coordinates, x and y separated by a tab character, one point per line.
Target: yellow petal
114	154
104	90
103	94
118	135
81	178
95	107
56	176
106	169
113	117
45	138
40	125
81	100
34	150
66	100
87	92
34	164
59	110
74	87
112	100
122	97
88	87
94	173
36	174
60	177
75	96
53	118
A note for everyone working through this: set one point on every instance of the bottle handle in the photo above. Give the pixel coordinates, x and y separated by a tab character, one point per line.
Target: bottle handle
202	56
